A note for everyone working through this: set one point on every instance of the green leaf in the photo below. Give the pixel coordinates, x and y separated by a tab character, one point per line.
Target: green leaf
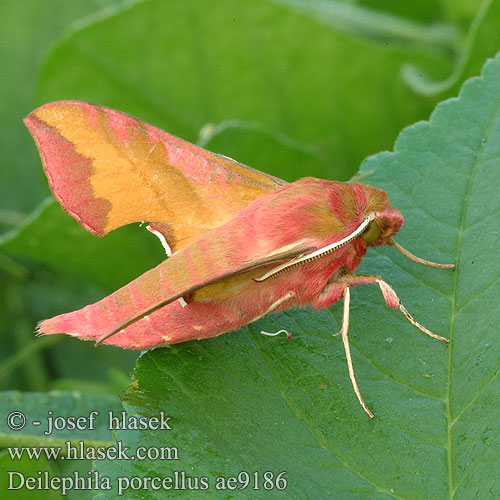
29	362
246	402
51	237
264	149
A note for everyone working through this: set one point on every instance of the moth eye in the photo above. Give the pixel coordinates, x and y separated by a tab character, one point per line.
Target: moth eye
372	232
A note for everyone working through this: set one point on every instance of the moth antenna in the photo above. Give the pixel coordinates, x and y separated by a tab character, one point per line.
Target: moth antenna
144	314
416	259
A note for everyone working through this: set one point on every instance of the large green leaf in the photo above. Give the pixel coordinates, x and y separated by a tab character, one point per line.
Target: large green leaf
245	402
428	11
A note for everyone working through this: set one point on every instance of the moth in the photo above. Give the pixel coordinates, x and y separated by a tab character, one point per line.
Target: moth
240	243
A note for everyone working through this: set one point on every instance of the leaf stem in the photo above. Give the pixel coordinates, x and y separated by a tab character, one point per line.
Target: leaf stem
375	24
22	356
22	327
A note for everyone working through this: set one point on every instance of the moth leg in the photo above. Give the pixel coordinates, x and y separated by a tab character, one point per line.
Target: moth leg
390	297
329	295
168	252
274	306
162	239
345	340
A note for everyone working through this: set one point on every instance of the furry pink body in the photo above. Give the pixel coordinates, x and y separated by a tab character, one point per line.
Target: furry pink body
294	216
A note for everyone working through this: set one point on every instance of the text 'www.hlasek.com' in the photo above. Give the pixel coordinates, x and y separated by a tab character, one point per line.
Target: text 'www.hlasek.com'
156	472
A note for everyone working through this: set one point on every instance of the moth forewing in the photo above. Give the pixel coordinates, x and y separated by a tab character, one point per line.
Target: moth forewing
120	327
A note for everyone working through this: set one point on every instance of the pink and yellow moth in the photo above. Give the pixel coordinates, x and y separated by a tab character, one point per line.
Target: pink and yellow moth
241	243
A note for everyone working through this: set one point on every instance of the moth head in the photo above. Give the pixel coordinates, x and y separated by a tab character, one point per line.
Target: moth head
387	219
383	227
